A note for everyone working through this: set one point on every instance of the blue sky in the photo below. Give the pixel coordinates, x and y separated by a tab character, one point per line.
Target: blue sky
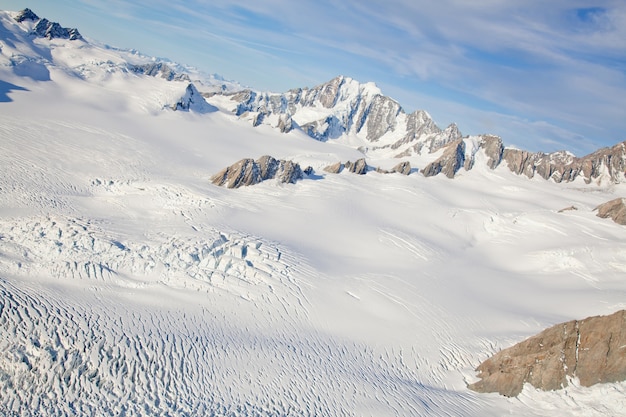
543	75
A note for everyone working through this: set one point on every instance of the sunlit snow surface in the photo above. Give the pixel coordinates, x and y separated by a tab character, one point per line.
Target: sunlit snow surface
132	286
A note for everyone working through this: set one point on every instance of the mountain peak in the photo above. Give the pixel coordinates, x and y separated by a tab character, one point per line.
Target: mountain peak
26	14
46	29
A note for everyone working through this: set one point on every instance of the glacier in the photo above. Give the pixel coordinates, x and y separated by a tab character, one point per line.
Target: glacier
131	285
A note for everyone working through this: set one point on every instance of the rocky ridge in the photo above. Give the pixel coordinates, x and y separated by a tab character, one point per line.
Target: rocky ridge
592	350
46	29
250	172
604	165
360	167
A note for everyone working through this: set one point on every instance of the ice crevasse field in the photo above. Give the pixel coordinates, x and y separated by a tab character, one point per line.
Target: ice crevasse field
130	285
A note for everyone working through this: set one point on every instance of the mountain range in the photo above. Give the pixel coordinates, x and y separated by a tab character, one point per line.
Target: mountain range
345	110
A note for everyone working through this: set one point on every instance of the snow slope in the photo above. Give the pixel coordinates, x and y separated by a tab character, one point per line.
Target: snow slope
132	286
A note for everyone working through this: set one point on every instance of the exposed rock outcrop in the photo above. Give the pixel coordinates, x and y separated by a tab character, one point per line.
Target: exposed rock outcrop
286	124
493	148
403	168
249	172
615	209
449	163
593	350
359	167
570	208
335	168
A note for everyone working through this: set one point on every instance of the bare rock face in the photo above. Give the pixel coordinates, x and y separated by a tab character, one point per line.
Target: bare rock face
382	114
615	209
249	172
403	168
286	123
335	168
593	349
359	166
493	148
450	162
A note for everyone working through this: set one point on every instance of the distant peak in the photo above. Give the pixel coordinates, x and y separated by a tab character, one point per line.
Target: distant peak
26	14
369	87
46	29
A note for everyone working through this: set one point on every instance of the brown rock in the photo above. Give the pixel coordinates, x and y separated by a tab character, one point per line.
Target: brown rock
403	168
615	209
335	168
493	147
357	167
570	208
249	172
562	166
450	162
593	349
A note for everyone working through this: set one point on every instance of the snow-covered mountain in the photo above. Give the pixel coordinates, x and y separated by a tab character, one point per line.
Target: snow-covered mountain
131	285
34	46
341	108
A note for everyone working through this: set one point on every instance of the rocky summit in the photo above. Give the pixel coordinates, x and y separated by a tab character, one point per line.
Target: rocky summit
47	29
593	350
343	106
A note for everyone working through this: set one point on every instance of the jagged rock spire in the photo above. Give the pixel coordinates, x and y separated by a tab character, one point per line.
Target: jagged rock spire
47	29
